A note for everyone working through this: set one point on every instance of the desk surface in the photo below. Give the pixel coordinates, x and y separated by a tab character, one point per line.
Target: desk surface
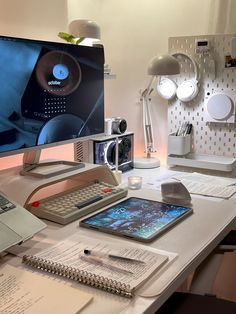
193	239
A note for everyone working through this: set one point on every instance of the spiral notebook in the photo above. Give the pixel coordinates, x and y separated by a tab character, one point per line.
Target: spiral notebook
121	277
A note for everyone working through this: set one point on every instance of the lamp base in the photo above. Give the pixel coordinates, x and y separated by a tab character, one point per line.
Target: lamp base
146	163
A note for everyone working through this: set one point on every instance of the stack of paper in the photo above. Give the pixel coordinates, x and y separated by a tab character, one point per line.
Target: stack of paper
207	185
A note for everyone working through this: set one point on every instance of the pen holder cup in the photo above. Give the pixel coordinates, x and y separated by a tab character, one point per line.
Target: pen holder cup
179	145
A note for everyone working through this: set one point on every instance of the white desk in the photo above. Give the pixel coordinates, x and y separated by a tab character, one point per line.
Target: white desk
193	239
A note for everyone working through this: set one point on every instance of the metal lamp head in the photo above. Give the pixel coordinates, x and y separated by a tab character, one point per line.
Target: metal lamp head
163	65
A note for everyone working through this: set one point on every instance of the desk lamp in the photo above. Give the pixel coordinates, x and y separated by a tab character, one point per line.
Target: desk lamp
82	30
158	66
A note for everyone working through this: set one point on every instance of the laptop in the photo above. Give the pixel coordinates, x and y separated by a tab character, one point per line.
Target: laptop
16	223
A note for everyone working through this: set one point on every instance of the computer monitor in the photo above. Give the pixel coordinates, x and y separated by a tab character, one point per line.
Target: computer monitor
51	93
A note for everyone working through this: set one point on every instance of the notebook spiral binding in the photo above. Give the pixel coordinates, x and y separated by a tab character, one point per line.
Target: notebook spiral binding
81	276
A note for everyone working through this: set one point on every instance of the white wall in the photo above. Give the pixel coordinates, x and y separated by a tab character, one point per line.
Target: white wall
132	32
32	18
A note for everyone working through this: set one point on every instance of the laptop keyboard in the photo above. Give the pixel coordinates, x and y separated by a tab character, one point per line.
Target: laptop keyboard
72	204
5	204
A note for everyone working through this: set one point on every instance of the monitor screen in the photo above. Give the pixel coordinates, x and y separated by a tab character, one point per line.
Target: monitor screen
51	93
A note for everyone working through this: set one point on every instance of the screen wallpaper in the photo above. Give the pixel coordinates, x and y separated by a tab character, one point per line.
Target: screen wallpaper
137	217
50	92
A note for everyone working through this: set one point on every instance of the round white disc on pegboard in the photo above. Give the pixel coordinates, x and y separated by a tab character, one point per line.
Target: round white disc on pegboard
219	106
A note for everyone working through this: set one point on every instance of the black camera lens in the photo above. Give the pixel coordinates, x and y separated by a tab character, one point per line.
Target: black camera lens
123	126
119	125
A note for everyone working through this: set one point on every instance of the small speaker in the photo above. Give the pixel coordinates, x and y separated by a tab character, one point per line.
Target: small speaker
102	150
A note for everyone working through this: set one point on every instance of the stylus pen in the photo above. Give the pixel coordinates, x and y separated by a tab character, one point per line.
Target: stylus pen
99	261
112	256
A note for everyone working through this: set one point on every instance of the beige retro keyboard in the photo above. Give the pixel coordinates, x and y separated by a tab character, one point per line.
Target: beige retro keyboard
72	204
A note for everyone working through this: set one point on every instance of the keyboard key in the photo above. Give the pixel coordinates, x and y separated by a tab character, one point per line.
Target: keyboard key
89	201
5	205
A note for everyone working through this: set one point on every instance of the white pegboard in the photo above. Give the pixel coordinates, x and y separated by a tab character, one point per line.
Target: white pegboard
209	138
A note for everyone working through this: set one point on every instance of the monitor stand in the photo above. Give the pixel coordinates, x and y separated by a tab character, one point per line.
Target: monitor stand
33	167
25	189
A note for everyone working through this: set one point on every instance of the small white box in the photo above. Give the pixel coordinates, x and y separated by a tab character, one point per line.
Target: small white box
179	145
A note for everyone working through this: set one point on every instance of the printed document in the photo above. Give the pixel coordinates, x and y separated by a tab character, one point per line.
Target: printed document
25	292
208	185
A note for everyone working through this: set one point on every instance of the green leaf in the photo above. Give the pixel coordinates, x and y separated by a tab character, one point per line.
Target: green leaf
67	37
79	40
70	38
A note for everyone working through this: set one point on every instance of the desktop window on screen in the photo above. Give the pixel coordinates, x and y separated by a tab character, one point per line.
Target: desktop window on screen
50	93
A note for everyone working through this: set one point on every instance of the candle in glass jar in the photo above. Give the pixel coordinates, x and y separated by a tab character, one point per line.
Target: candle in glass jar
134	182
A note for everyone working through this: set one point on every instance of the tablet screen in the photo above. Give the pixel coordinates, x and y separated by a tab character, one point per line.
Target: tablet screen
137	218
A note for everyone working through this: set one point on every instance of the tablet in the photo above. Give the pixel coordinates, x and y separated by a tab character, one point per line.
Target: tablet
137	218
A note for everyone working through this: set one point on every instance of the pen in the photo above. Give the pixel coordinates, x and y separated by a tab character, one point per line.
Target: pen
186	129
181	129
112	256
99	261
189	128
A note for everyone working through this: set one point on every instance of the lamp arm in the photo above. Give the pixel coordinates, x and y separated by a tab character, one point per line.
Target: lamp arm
144	124
149	129
147	90
147	121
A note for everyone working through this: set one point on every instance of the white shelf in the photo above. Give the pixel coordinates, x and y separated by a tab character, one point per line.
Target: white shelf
210	162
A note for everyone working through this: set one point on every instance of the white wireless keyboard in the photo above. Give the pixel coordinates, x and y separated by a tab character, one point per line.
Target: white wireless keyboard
77	202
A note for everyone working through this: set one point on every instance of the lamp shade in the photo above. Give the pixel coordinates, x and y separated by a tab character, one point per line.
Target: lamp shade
163	65
85	28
